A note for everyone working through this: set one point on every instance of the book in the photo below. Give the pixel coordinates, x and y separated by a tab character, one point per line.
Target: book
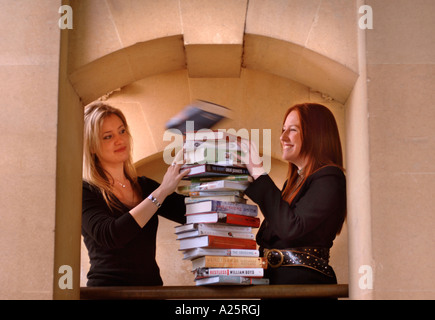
229	234
208	169
202	114
220	198
214	152
208	135
217	242
211	156
225	280
221	206
212	193
199	252
214	143
229	218
238	272
240	177
219	185
211	226
229	262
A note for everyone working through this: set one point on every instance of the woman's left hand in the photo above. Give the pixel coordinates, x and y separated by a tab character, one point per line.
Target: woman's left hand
251	158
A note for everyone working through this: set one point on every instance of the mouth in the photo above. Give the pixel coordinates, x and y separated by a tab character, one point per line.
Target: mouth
287	146
121	149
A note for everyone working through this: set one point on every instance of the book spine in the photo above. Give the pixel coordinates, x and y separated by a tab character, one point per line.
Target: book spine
239	220
223	227
245	178
232	262
226	169
236	235
234	199
199	252
234	243
235	208
241	272
231	280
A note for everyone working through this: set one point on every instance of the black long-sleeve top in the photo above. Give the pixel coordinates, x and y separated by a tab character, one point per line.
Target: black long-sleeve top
311	220
122	253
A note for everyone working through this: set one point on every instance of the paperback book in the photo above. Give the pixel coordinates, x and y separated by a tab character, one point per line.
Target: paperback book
225	280
237	272
199	252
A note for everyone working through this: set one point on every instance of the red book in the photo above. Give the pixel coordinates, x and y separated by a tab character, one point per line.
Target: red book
217	242
215	217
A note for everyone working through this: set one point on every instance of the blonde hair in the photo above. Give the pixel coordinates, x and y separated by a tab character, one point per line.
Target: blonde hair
93	172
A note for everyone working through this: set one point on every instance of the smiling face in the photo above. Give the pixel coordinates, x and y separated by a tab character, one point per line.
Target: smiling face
291	140
114	141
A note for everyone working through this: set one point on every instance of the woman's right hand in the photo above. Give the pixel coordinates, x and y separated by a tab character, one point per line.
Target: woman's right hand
173	175
172	178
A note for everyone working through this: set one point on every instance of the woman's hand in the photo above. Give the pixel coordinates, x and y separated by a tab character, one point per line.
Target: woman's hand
251	158
173	175
146	209
172	178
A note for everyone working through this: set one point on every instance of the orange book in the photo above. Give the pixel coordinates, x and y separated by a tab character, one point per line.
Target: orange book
229	262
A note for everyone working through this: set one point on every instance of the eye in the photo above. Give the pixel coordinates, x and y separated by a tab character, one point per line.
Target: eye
122	131
108	137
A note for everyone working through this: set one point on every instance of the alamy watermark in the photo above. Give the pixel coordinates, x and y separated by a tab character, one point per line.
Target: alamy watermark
366	21
244	137
66	20
66	280
366	280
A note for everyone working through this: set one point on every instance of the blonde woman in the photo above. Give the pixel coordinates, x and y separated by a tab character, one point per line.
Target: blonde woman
119	221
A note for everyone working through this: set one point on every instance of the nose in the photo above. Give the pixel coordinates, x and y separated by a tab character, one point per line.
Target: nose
284	136
118	139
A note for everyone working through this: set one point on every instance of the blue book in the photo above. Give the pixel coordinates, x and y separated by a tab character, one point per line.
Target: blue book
204	115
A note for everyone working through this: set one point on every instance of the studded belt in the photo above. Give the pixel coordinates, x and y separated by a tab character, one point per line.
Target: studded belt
314	258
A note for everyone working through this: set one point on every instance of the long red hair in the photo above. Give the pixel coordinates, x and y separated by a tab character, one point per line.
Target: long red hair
320	144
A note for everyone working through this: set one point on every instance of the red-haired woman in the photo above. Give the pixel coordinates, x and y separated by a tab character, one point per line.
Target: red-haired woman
302	220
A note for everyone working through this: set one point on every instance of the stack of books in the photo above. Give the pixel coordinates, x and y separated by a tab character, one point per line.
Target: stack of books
218	235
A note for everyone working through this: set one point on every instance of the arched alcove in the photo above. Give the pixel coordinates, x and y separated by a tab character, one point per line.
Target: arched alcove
263	61
258	100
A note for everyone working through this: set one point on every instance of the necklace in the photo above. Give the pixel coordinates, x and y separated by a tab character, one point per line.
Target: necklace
122	185
298	181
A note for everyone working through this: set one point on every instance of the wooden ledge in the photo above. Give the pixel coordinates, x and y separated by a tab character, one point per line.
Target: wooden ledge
215	292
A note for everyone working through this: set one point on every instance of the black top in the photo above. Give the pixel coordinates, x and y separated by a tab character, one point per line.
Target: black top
311	220
120	252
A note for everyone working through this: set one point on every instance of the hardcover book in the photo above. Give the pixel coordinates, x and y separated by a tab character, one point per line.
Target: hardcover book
217	242
211	226
203	114
199	252
221	206
229	262
215	217
207	169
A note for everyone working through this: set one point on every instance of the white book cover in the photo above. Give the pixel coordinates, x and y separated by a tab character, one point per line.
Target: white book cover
199	252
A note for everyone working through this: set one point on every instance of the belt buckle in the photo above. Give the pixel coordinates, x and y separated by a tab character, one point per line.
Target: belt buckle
281	257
